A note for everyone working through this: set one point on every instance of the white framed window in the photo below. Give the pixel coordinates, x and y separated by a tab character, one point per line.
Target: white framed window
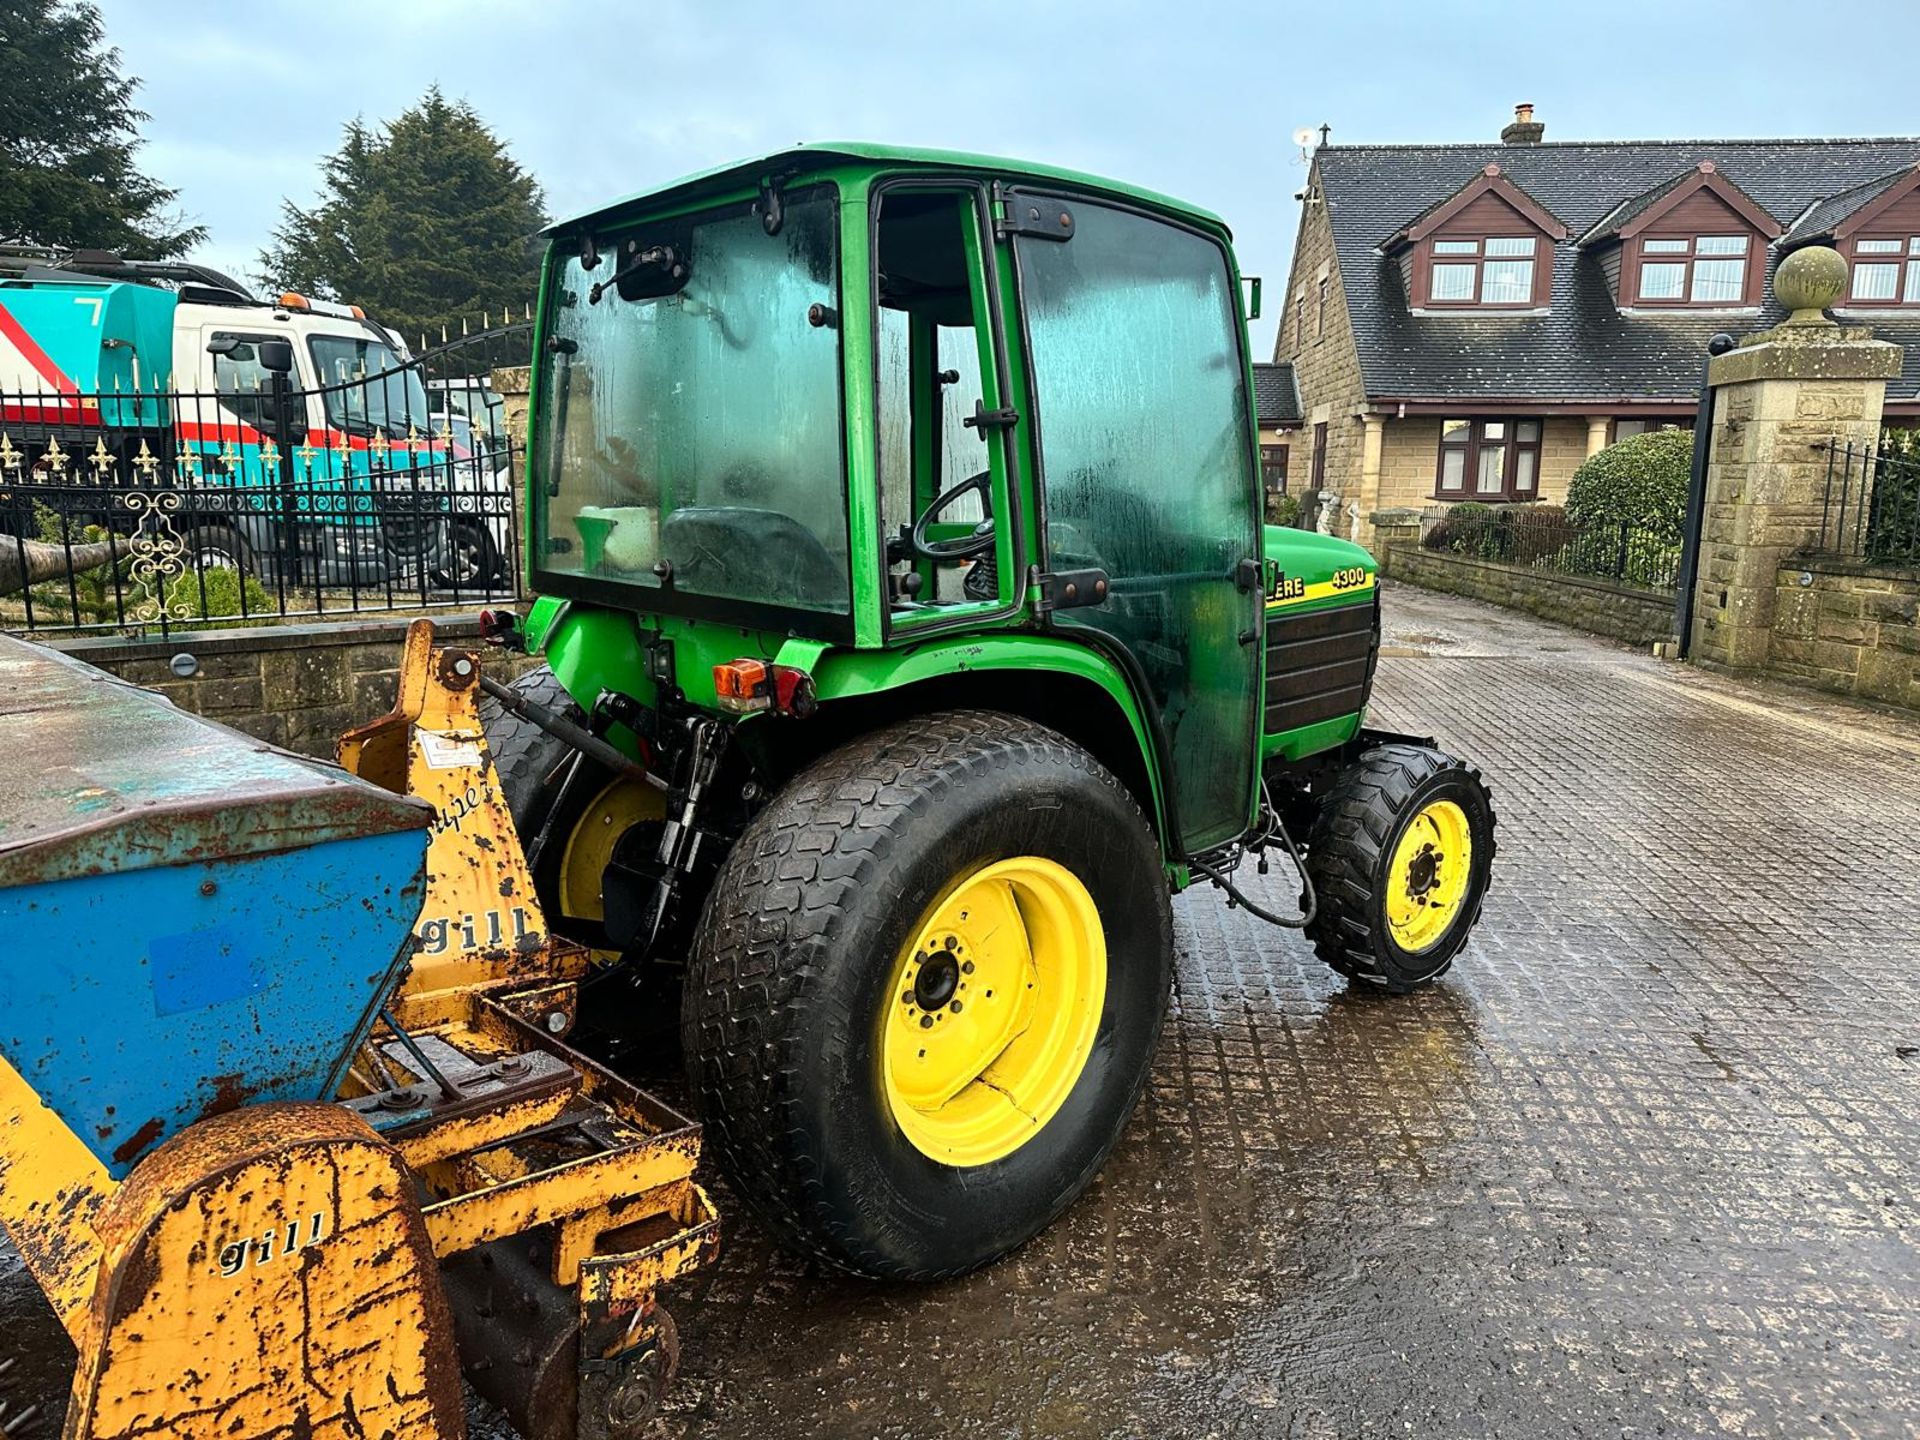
1693	269
1495	270
1886	271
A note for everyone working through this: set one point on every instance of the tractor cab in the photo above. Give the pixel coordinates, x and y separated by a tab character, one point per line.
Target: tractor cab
873	397
896	520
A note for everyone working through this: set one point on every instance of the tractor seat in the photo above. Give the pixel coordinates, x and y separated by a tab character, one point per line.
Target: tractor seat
747	553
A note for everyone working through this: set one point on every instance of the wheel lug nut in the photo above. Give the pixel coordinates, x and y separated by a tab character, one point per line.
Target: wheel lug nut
955	1007
926	1022
953	942
966	967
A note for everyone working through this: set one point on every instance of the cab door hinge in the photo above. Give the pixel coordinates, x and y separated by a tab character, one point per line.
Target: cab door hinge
1070	589
1040	217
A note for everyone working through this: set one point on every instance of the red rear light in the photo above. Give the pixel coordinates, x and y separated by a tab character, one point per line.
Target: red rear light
745	687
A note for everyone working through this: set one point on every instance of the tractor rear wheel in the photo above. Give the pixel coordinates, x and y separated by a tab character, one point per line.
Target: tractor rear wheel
601	810
1400	855
527	758
926	991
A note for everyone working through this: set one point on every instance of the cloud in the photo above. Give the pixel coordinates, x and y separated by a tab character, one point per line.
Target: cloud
1197	99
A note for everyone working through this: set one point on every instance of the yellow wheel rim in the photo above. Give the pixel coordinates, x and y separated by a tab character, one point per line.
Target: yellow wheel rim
1427	879
991	1010
589	849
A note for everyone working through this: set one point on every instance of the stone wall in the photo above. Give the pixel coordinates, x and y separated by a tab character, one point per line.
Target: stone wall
1634	616
1848	627
297	686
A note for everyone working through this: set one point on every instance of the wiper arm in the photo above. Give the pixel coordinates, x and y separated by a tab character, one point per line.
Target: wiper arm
654	257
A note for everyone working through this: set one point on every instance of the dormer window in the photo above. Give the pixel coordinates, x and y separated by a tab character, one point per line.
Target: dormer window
1694	270
1488	246
1497	270
1886	271
1695	239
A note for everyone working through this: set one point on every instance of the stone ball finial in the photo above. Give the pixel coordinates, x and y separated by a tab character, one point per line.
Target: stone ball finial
1808	281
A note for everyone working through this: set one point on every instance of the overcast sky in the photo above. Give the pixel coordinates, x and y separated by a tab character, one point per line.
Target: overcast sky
1196	99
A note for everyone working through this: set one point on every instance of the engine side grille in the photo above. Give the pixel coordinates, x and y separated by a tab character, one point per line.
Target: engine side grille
1320	666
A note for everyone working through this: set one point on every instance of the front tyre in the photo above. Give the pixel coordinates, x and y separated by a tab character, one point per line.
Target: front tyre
926	991
1400	856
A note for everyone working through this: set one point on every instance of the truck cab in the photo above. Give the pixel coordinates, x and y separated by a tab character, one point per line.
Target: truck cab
895	401
160	372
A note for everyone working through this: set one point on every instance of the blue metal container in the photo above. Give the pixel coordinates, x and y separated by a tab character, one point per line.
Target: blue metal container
190	919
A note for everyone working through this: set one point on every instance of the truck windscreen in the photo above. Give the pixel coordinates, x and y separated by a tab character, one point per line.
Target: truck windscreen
366	387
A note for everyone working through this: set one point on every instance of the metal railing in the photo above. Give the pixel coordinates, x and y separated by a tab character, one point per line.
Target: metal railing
1640	557
1871	507
158	509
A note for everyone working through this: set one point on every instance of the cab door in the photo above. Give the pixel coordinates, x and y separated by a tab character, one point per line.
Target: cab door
1135	351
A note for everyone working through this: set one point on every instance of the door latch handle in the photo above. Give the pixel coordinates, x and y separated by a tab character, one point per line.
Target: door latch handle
1246	576
984	419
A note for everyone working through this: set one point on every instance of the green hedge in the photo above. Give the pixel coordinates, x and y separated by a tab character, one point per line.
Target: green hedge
1641	482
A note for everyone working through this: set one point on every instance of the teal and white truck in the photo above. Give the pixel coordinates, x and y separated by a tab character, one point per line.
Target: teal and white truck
297	432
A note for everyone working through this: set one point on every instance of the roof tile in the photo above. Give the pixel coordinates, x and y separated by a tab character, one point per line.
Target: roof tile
1584	349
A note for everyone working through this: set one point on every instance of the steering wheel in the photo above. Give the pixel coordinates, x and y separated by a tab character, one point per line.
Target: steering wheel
962	547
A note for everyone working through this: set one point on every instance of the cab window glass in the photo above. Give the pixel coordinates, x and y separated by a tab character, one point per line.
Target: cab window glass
930	383
692	425
1149	466
239	378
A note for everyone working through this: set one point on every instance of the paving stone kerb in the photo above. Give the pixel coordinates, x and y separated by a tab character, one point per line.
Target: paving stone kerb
296	686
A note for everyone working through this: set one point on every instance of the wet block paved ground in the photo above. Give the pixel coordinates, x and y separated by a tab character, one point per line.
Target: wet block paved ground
1645	1164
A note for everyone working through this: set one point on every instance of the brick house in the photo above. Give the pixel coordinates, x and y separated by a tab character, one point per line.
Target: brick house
1471	321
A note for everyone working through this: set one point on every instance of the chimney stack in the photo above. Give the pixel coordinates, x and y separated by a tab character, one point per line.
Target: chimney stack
1524	130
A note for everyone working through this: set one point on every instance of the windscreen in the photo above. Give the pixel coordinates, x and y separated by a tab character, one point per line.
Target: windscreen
366	387
690	410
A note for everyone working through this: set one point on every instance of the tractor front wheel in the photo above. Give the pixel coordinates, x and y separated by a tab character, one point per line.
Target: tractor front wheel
926	991
1400	855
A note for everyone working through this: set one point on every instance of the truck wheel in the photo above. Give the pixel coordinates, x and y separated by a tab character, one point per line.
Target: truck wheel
216	547
1400	855
600	811
925	993
473	562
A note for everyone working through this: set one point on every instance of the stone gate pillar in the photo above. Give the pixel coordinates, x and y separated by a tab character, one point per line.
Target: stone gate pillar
1783	395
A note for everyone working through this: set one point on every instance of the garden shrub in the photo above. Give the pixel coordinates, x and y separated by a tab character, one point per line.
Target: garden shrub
1459	526
1535	532
1640	482
222	595
1282	509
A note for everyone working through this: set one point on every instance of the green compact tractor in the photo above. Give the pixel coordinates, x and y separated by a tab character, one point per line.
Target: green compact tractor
912	636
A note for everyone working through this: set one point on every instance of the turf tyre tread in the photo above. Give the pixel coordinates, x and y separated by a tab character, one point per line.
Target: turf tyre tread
784	898
525	756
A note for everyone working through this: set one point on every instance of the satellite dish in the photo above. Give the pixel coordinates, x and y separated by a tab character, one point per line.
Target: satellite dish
1303	137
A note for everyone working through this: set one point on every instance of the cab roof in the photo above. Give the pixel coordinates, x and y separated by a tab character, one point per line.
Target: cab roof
824	154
